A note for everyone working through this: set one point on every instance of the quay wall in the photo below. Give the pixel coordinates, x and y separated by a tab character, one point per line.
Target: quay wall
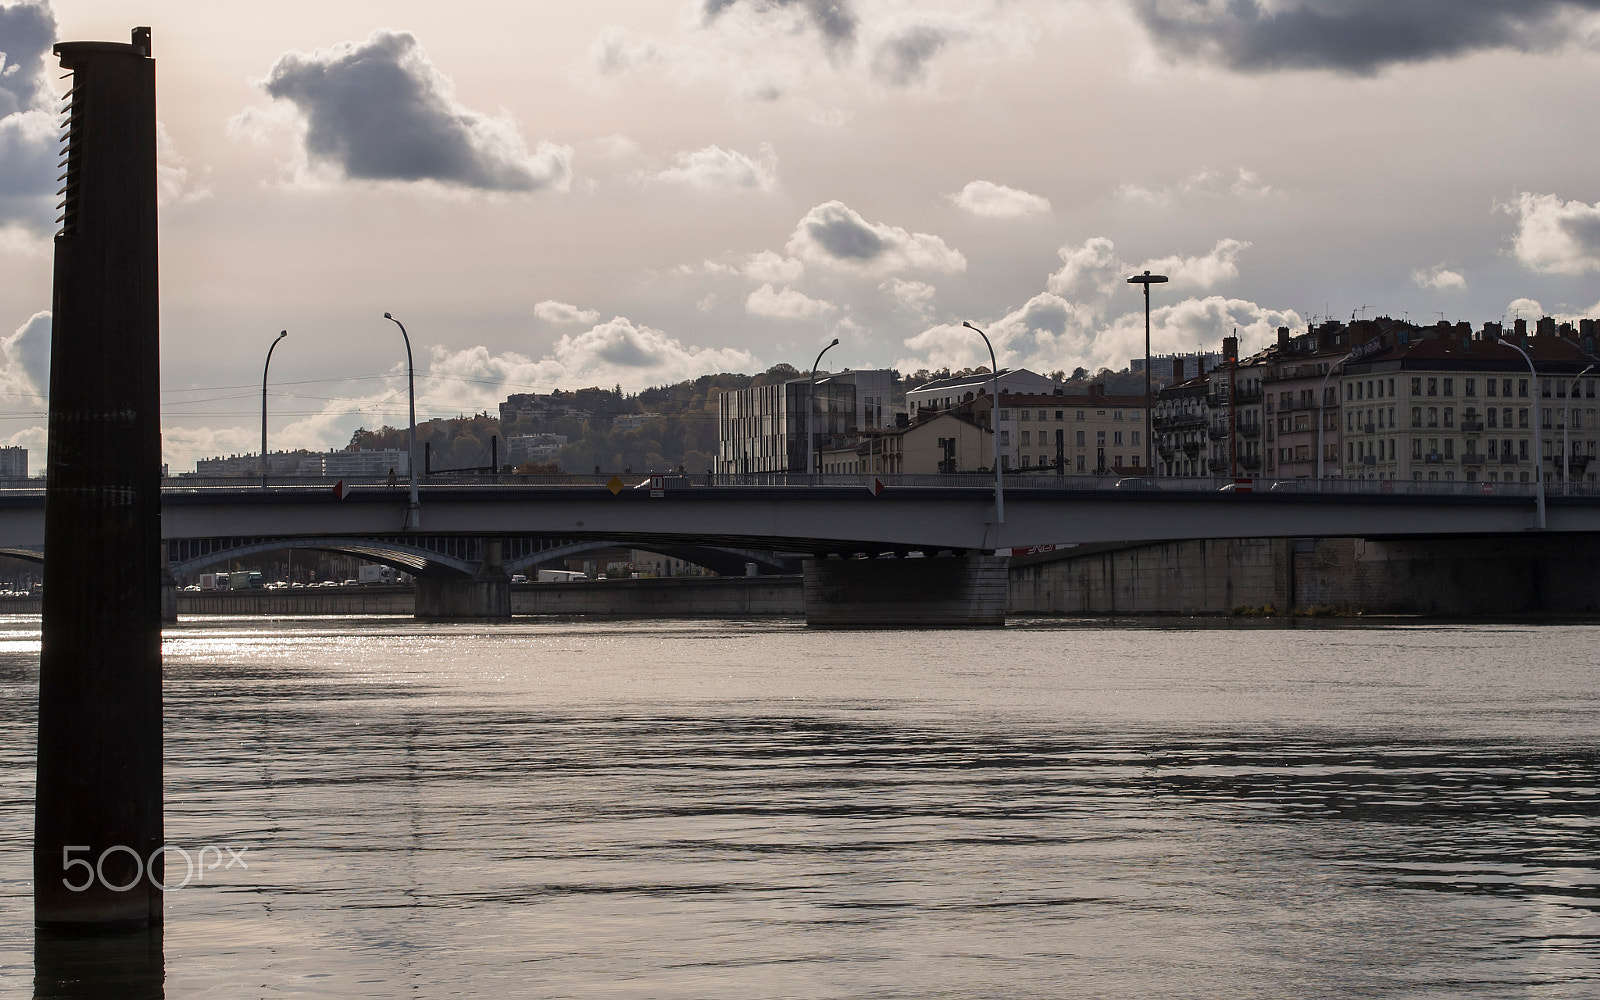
1466	577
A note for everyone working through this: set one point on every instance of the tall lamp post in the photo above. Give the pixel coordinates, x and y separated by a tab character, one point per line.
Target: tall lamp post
1147	279
281	334
414	511
1566	434
994	426
1538	439
811	410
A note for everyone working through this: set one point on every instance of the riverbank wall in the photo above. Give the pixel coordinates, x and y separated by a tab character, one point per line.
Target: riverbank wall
1462	577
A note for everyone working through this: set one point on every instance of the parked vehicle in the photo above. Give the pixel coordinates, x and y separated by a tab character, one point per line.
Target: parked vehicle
1135	483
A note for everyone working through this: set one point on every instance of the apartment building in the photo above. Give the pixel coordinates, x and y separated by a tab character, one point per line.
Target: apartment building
1440	404
941	442
942	394
764	428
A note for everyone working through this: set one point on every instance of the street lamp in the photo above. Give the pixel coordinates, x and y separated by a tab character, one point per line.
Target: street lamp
1566	435
811	410
1538	440
281	334
414	511
994	425
1147	279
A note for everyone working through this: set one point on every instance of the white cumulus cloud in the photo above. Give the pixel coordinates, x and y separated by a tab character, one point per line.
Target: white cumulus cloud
914	296
784	303
1555	236
716	169
563	314
996	201
835	235
1439	278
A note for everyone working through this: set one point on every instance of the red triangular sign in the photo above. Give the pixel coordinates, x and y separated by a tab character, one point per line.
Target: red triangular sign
338	489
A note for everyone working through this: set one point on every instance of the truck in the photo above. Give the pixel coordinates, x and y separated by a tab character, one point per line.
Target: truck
375	574
560	576
244	580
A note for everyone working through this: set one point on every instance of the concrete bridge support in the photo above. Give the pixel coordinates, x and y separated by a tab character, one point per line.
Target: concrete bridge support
948	591
486	594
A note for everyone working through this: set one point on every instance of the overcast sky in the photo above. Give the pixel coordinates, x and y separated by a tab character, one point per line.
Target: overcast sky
561	195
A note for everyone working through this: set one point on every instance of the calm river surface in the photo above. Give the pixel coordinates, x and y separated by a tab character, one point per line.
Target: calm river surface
751	810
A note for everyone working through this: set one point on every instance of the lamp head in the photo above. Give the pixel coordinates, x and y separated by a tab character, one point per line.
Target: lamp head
969	326
387	316
835	342
282	334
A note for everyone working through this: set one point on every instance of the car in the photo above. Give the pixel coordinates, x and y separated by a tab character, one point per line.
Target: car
519	578
1135	483
1291	486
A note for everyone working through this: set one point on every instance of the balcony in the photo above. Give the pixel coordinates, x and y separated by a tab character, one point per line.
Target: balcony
1166	451
1218	465
1191	448
1508	460
1251	430
1250	462
1472	458
1369	460
1369	428
1580	462
1248	394
1472	426
1219	433
1434	458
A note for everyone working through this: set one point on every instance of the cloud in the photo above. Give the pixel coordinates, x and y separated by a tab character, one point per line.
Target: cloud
914	296
834	20
836	235
614	52
1088	315
784	303
561	313
901	55
996	201
1439	278
1092	270
174	184
28	140
1524	309
1205	183
716	169
25	382
1359	37
27	31
379	110
1553	236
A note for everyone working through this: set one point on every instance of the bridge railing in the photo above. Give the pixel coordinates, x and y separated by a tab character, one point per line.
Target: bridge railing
976	482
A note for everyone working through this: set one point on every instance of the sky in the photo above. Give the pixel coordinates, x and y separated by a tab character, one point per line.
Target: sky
632	193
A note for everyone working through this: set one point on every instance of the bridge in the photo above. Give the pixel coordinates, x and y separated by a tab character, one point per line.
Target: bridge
475	531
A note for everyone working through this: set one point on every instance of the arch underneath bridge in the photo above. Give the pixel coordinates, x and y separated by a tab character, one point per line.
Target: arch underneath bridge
446	556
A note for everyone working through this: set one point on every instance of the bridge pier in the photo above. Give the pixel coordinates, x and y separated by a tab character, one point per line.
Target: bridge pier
944	591
486	594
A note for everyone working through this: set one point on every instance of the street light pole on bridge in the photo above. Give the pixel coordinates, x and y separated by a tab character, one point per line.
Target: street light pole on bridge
281	334
994	422
811	410
414	511
1147	279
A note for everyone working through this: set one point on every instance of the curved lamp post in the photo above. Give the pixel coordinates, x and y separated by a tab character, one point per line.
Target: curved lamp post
414	511
1538	439
994	426
1147	279
811	411
1566	435
281	334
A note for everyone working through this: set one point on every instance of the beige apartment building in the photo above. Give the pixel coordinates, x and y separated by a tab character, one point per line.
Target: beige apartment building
941	442
1438	404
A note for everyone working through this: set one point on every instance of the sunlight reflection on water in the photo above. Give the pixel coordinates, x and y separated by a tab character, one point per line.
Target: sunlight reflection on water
732	809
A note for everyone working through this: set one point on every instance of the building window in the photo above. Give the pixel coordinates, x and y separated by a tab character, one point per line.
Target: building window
1026	435
1433	387
1117	415
1061	414
1116	438
1080	460
1416	447
1416	416
1116	463
1005	414
1469	387
1522	388
1080	414
1080	439
1489	385
1449	449
1522	418
1025	461
1043	461
1449	416
1041	414
1416	386
1493	415
1005	438
1449	387
1024	414
1136	439
1522	449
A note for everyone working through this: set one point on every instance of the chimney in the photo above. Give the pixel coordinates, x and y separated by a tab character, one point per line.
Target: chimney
1283	338
1230	349
1097	390
1520	328
1177	371
1546	327
1492	332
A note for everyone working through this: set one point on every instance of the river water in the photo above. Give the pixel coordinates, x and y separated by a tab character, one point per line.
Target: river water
752	809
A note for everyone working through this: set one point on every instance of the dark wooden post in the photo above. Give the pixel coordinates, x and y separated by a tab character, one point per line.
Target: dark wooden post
98	821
